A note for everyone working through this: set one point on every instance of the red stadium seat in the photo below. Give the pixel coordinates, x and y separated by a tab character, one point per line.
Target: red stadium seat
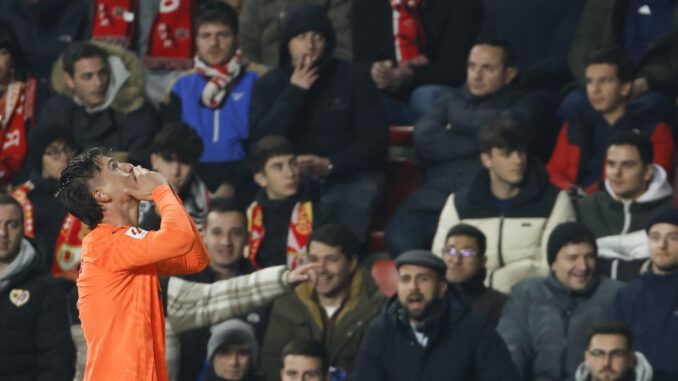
401	181
386	276
400	136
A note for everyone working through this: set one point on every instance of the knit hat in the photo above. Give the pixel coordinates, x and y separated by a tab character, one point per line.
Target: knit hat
39	139
233	330
568	232
423	258
304	18
666	215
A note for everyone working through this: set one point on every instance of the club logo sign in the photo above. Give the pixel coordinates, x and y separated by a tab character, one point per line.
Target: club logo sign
136	233
19	297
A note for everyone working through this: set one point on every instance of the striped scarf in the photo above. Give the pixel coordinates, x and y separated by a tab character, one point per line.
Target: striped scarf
220	77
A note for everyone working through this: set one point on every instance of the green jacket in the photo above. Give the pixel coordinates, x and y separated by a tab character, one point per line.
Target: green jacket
601	25
297	316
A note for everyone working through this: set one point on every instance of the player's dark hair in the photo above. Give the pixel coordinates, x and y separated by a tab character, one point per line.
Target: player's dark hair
73	188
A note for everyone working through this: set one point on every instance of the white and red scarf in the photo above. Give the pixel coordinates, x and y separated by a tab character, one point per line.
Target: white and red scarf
408	32
220	79
170	38
301	226
16	119
114	21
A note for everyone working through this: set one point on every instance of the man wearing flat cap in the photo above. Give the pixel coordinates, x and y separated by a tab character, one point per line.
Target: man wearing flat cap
546	321
428	332
649	305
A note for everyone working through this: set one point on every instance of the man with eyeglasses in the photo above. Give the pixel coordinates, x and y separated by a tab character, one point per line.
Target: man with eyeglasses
428	332
546	319
649	305
464	255
609	356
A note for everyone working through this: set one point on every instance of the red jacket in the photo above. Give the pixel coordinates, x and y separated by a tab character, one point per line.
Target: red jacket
573	148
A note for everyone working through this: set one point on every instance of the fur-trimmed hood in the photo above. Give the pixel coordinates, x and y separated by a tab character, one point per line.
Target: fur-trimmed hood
131	94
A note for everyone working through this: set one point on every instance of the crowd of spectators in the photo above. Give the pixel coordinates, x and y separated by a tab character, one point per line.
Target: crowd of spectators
541	243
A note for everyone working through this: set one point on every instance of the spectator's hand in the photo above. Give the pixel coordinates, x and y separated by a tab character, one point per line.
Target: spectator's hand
303	273
640	87
314	164
146	181
400	77
381	73
575	192
305	74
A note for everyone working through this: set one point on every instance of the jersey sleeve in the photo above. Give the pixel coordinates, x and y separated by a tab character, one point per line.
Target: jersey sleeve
132	247
195	261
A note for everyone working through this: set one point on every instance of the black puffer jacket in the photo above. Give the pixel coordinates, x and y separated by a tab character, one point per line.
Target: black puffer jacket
35	336
462	346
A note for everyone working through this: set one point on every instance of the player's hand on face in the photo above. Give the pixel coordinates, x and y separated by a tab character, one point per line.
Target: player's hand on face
146	181
304	273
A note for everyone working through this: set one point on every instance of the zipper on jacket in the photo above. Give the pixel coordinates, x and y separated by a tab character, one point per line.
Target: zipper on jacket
627	216
499	253
501	230
215	132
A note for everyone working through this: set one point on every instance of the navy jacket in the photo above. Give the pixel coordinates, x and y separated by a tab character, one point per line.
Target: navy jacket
462	346
649	306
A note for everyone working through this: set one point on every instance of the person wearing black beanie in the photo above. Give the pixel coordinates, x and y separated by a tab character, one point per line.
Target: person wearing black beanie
546	320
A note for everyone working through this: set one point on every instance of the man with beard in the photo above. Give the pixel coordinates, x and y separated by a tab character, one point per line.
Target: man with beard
427	332
336	311
546	319
649	305
609	356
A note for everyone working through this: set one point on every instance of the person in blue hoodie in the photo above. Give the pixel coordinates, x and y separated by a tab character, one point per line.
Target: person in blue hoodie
214	97
649	305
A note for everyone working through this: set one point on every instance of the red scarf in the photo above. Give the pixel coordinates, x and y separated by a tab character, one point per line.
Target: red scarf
69	242
301	226
114	21
220	77
170	37
408	32
16	118
68	248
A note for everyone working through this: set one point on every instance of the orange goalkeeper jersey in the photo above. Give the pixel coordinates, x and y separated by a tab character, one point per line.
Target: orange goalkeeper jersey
120	306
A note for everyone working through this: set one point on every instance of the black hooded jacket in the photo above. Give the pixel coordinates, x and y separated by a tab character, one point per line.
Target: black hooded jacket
35	337
339	117
462	345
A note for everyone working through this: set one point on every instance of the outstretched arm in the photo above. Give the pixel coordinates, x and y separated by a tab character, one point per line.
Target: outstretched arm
192	305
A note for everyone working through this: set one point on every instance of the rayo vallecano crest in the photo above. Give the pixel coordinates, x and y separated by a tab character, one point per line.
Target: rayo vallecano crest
19	297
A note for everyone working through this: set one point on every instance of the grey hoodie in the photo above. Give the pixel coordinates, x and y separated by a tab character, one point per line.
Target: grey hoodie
642	371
